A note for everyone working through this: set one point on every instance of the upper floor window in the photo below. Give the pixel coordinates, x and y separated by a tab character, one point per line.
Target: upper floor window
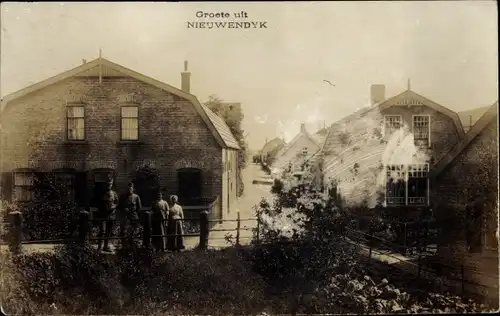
421	130
392	124
23	186
407	184
76	122
304	151
130	123
65	183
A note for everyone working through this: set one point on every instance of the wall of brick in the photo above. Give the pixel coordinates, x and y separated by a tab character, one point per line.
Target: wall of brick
171	133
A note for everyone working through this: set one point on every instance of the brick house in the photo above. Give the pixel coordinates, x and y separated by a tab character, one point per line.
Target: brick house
101	120
470	170
381	154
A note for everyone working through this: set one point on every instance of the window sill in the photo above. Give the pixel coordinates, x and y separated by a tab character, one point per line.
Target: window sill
130	142
78	142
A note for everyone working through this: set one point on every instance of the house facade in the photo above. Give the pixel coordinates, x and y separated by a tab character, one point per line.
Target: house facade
469	172
101	120
296	153
382	154
271	149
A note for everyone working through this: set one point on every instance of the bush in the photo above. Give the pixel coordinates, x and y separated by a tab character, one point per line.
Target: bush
319	271
80	280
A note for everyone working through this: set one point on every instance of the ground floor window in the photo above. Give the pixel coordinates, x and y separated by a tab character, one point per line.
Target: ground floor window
65	184
23	186
407	185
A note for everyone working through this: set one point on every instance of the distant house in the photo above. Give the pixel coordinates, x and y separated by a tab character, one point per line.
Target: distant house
296	154
470	117
469	171
382	154
102	121
270	149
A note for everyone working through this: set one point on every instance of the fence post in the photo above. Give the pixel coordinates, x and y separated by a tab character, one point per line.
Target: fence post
146	230
462	275
258	226
204	230
238	225
16	232
419	264
83	227
370	242
405	245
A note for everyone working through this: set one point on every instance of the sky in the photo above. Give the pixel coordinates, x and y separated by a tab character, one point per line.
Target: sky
448	49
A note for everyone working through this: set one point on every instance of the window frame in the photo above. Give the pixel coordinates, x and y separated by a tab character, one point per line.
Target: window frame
384	127
84	118
406	169
129	117
427	193
14	185
428	130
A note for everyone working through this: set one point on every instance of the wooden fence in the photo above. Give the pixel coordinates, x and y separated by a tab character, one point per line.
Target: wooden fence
460	278
83	226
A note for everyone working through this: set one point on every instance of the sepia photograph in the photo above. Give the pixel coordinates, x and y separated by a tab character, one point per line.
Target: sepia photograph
249	158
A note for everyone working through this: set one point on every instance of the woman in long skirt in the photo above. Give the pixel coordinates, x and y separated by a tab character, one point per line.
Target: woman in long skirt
175	226
159	223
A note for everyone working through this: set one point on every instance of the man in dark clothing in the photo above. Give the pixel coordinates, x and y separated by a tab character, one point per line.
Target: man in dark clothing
130	209
107	215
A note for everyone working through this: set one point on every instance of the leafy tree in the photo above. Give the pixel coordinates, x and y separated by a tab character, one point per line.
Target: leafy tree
233	119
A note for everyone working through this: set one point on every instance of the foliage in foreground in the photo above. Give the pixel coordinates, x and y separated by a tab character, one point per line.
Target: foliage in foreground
80	280
325	271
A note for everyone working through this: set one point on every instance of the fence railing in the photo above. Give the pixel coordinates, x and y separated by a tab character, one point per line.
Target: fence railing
454	276
82	228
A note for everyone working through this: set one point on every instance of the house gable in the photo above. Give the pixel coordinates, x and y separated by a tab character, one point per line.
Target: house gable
106	68
474	132
407	99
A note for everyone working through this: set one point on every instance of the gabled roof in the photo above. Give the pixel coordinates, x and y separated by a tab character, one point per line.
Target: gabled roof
397	100
272	144
481	124
470	117
218	129
305	133
222	128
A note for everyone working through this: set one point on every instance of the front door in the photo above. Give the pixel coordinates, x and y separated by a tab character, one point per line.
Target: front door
189	180
101	178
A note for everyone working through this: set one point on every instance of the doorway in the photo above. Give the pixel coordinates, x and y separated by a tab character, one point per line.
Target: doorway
147	185
100	179
190	185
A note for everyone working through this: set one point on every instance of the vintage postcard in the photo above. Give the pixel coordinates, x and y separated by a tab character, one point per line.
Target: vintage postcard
249	158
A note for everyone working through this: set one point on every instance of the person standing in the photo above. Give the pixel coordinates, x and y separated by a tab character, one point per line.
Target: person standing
159	223
175	226
130	209
106	216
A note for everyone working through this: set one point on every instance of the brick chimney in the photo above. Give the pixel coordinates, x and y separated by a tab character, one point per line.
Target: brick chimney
377	93
302	127
185	78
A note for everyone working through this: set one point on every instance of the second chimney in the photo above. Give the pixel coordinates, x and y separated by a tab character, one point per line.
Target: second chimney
377	93
303	128
185	78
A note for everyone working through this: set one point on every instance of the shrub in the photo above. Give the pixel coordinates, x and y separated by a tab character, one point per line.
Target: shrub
319	271
78	279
